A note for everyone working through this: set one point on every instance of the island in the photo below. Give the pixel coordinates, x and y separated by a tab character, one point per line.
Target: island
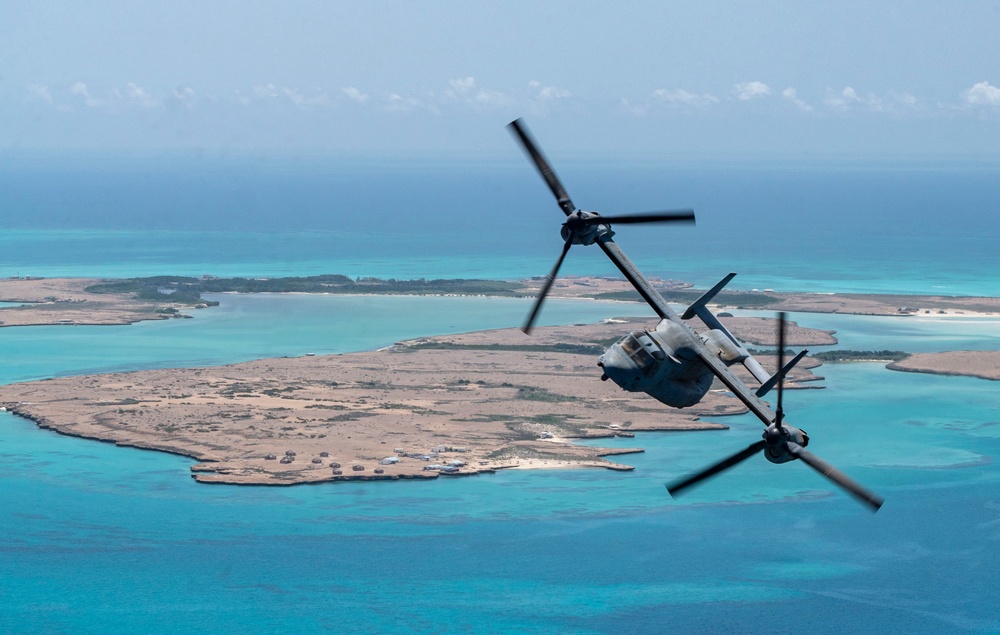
447	405
981	364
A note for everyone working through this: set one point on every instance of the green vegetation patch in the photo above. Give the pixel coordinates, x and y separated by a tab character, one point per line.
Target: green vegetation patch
352	416
128	401
741	299
187	290
531	393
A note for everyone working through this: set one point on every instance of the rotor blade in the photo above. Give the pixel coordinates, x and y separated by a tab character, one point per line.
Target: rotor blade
684	215
724	464
546	287
778	412
784	370
855	489
520	132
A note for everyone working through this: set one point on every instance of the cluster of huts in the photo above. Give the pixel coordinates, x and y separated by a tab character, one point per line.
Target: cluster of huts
451	467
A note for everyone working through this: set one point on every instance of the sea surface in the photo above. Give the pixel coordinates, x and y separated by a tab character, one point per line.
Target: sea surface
97	539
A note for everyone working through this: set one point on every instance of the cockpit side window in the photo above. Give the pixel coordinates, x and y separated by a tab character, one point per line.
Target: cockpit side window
630	345
635	350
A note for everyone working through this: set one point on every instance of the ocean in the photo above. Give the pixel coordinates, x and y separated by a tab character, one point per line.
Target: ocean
97	539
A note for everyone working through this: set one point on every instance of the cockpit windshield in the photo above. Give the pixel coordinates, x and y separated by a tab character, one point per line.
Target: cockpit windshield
639	347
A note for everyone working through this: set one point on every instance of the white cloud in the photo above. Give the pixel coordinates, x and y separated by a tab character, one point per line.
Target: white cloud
628	108
983	94
242	98
294	95
548	93
355	95
793	96
299	99
80	89
138	95
848	98
398	103
486	97
460	89
465	90
462	86
681	96
746	91
185	95
540	99
265	91
40	92
892	103
906	99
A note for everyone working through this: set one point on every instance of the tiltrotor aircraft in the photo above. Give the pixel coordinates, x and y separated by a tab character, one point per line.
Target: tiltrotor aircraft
672	363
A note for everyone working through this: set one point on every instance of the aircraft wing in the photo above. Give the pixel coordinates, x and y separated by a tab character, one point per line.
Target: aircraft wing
742	392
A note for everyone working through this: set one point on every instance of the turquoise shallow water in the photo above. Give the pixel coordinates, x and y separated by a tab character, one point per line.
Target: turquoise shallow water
902	227
678	253
265	325
97	538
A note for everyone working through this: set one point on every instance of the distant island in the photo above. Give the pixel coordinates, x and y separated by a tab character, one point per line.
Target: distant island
860	356
75	301
182	289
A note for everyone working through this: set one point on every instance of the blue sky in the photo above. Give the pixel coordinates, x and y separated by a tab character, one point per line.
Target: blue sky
440	79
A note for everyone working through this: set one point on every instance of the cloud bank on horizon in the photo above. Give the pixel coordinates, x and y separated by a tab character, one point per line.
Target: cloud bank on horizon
442	77
533	98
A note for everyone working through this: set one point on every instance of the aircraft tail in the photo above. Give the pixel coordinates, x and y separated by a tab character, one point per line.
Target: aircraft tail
699	309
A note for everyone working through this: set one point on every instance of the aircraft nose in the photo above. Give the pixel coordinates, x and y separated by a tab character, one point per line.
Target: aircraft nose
619	368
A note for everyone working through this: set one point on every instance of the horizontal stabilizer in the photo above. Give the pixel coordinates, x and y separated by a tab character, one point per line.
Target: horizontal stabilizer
769	384
699	304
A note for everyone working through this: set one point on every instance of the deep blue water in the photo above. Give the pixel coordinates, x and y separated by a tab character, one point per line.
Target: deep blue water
904	228
99	539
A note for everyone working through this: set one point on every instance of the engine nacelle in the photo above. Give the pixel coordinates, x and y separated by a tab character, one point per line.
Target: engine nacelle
659	363
581	233
777	448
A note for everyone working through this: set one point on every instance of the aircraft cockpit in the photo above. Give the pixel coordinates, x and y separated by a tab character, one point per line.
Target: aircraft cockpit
643	351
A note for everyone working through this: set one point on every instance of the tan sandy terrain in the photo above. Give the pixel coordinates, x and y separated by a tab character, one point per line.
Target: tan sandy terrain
850	303
65	301
982	364
469	398
873	304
